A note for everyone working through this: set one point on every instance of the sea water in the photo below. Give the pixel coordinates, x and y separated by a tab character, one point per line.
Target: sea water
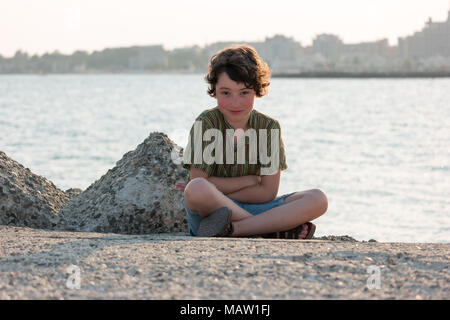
378	148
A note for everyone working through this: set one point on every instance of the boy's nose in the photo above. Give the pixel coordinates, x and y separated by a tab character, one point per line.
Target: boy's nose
235	102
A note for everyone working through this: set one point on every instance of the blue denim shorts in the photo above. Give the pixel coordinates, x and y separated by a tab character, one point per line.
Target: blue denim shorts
193	218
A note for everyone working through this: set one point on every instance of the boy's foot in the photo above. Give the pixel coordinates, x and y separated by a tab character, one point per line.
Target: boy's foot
304	231
217	224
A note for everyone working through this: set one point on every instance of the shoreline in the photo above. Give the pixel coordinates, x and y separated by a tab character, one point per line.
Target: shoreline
34	265
364	75
312	75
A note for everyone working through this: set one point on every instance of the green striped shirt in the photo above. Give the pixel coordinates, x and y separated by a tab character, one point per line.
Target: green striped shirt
214	119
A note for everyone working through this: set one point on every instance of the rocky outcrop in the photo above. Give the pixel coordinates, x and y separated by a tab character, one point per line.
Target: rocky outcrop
137	196
29	200
72	192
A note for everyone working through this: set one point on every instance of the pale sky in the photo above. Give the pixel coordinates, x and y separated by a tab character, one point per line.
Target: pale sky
70	25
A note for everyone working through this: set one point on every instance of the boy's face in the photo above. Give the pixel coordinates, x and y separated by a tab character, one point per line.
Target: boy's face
234	100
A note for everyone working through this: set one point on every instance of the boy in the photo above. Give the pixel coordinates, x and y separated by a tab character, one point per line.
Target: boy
228	194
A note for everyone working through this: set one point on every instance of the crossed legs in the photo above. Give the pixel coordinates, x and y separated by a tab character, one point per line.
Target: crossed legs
202	196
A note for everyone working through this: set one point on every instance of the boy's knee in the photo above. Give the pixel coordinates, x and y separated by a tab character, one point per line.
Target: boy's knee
197	189
321	199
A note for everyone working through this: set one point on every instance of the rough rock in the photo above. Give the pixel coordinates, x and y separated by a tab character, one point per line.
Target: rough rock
337	238
72	192
26	199
137	196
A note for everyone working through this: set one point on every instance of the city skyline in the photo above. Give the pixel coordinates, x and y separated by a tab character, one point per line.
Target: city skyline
97	27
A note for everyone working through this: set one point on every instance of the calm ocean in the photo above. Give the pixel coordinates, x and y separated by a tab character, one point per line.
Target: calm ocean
379	148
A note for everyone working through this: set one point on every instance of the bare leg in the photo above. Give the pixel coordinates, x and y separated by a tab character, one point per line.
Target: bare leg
203	197
299	208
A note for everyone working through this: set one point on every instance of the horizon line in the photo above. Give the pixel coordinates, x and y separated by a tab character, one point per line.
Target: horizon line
204	45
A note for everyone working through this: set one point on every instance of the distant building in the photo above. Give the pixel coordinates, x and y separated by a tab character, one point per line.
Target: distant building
215	47
280	52
376	48
332	47
433	40
328	45
279	49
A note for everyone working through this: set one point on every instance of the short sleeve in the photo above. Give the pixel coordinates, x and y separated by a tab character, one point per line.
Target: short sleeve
193	153
271	168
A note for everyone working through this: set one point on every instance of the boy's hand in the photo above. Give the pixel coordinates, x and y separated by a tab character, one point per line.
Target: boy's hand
181	185
255	180
252	181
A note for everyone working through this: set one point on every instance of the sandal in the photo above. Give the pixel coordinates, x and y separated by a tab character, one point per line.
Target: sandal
217	224
292	233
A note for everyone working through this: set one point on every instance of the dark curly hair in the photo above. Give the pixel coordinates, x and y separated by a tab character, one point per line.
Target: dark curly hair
243	65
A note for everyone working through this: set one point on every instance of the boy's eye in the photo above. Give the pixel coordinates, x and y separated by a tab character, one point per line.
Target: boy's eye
244	92
225	93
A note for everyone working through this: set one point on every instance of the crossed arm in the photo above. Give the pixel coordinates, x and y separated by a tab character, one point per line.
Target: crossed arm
249	189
